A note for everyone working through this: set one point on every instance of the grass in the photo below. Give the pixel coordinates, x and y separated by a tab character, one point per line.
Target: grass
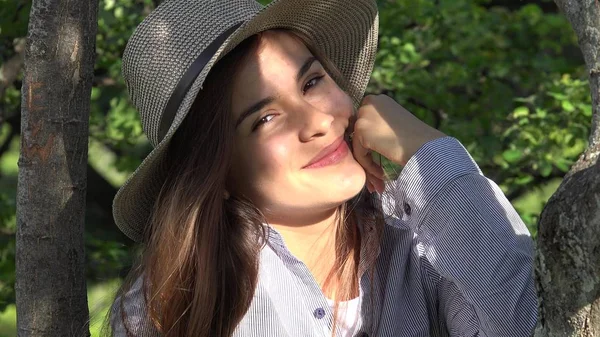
8	322
100	297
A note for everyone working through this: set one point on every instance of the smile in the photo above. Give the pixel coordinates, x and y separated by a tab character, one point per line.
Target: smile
333	157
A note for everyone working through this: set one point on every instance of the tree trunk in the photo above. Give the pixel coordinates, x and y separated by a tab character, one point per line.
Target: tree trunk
569	229
59	60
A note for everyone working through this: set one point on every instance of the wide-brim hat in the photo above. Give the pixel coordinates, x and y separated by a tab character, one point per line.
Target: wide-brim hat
171	52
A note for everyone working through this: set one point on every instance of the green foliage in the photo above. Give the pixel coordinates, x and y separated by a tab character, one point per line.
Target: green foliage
114	122
508	83
7	251
14	16
548	131
7	225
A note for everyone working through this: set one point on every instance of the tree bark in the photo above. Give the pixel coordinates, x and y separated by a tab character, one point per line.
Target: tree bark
568	264
59	59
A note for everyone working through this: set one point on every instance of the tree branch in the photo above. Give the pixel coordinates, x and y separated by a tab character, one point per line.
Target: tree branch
567	264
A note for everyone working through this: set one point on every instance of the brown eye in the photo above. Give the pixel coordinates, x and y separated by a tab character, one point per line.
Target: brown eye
262	121
311	83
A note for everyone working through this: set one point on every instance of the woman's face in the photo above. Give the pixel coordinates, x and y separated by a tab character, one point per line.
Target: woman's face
289	111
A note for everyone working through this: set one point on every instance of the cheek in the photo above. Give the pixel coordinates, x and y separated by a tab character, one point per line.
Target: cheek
272	157
267	161
339	102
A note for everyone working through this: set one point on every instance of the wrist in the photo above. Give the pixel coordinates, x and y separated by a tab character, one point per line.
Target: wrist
425	138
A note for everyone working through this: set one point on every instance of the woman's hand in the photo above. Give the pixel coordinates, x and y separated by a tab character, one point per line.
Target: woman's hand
384	126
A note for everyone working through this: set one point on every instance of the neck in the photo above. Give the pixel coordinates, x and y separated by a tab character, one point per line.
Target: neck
306	227
310	238
312	241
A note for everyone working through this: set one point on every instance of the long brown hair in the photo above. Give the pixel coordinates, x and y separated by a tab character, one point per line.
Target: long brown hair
200	254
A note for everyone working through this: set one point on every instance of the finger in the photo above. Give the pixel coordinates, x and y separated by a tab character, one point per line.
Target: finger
377	183
381	173
370	166
367	100
364	158
381	186
366	161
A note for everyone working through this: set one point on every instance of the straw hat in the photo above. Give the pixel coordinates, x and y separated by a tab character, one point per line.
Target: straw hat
171	52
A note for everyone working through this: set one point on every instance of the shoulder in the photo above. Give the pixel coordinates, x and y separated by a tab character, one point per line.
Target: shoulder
129	314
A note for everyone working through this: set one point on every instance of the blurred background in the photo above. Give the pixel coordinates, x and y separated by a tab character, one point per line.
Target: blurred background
505	77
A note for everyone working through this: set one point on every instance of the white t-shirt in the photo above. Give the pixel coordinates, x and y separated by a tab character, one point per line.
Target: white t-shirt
347	315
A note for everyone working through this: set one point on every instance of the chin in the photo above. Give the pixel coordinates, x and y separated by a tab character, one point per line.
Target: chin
352	185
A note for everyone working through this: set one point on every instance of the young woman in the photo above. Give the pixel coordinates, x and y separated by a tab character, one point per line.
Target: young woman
261	211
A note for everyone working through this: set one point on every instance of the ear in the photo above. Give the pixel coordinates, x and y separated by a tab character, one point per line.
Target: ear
226	195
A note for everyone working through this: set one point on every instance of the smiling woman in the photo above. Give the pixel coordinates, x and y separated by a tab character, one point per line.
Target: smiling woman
266	184
293	141
258	215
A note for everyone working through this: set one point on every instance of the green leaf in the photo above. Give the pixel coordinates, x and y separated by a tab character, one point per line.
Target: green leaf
119	12
562	165
567	106
512	156
109	4
524	180
521	111
541	113
586	109
557	95
545	169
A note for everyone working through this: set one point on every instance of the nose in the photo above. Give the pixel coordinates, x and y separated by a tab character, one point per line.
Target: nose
314	122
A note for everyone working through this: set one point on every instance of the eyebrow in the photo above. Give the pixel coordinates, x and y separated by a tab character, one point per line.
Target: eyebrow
254	108
268	100
305	67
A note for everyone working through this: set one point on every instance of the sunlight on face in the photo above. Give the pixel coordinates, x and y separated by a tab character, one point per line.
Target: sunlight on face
289	109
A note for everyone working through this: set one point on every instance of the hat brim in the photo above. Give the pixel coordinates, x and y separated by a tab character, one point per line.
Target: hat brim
345	31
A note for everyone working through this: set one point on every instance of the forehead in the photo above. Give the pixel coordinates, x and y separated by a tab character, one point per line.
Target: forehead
278	53
269	68
276	48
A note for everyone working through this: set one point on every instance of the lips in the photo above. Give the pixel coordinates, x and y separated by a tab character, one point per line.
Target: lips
330	154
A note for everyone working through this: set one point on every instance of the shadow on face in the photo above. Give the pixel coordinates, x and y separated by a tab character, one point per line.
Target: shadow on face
288	113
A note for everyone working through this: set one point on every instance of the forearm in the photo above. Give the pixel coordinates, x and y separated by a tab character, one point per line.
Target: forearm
472	237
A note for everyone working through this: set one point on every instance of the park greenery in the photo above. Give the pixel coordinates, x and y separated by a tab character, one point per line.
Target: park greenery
504	77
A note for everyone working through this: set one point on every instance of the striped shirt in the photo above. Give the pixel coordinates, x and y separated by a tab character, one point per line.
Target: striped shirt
454	259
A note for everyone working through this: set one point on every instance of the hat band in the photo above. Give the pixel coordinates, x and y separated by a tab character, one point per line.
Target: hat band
188	79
